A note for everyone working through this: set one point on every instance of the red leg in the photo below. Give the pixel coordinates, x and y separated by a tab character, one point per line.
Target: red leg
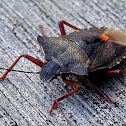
115	72
99	92
42	31
61	26
36	61
72	83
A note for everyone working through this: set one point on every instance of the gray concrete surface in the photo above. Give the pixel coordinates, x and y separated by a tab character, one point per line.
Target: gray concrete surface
24	99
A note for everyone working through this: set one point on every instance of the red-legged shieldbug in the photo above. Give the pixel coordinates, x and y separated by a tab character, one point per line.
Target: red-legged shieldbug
81	53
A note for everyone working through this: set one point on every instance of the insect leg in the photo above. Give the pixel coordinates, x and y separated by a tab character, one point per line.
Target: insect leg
69	82
42	31
115	72
61	26
99	92
32	59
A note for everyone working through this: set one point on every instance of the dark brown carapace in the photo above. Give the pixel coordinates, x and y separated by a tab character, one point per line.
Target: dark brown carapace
81	53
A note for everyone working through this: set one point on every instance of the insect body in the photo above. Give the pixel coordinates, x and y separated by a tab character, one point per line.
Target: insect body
81	53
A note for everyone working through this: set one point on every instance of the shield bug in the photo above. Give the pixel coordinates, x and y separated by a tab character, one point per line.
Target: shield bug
81	53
